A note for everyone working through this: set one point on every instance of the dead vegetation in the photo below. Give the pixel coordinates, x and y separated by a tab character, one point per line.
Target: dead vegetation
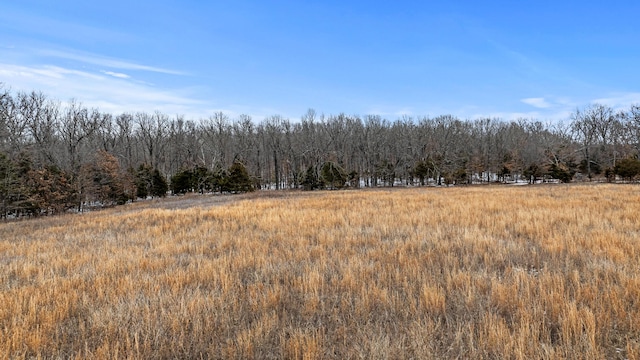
481	272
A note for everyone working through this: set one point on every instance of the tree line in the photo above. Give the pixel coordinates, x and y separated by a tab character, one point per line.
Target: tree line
55	157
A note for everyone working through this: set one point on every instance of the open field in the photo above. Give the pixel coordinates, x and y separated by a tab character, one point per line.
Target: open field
477	272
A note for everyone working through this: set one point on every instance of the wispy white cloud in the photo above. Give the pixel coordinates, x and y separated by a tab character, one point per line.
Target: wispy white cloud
619	100
105	61
116	74
49	74
104	91
538	102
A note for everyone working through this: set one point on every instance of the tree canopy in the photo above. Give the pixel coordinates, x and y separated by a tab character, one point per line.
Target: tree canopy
55	157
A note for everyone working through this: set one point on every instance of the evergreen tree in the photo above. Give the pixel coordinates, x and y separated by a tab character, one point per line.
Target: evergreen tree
627	168
150	182
159	186
421	170
311	179
333	175
560	172
143	180
181	182
238	179
9	185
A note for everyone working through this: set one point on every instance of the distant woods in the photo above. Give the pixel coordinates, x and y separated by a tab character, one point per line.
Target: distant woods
57	157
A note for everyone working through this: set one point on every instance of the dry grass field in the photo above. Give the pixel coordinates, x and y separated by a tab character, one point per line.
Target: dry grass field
542	272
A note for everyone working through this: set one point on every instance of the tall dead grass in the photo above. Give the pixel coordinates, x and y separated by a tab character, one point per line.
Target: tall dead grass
481	272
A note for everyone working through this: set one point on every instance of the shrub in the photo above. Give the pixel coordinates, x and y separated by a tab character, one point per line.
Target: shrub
627	168
560	172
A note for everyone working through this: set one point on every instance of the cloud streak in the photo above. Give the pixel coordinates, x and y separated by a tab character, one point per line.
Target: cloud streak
116	74
620	100
105	61
539	102
108	91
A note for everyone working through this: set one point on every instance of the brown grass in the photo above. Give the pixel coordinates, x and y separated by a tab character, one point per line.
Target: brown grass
482	272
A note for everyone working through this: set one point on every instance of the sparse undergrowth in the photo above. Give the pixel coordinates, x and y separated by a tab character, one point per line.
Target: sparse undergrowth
479	272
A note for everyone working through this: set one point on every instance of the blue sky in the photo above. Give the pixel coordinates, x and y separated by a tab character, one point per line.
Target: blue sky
509	59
